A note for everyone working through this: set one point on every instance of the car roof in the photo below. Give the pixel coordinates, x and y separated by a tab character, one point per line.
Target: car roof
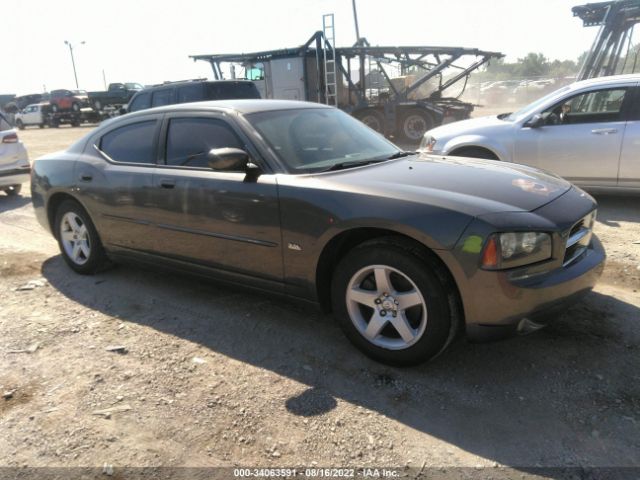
611	80
242	106
193	82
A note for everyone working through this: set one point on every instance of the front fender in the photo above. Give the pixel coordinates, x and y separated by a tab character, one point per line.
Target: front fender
481	141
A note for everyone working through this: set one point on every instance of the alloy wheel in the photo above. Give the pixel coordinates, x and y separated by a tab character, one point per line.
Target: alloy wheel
386	307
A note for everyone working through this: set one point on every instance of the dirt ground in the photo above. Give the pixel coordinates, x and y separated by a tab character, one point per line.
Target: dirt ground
215	376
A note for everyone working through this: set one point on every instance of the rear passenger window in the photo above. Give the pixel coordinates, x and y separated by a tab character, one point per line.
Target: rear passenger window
190	139
162	97
141	102
190	93
134	143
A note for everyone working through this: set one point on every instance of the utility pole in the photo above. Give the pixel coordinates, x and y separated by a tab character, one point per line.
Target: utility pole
73	62
355	19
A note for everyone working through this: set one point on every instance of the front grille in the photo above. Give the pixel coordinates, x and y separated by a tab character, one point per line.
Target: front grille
578	239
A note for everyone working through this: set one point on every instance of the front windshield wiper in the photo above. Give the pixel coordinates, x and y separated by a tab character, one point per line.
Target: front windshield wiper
344	165
400	154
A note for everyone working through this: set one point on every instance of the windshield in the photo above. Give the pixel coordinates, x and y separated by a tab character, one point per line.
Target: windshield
315	139
79	92
532	107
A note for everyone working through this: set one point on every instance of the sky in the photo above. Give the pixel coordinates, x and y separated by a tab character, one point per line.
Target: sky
150	41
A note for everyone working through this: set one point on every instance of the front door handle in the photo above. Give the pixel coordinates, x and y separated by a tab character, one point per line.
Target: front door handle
167	183
604	131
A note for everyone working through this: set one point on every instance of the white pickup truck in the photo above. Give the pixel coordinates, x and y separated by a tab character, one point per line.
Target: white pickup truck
35	114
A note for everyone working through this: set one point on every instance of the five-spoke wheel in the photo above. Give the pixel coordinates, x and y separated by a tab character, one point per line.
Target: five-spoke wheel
390	301
79	242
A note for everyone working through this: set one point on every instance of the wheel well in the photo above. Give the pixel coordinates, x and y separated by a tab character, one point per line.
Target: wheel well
52	207
474	152
342	244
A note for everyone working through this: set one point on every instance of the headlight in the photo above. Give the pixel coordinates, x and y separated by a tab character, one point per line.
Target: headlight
427	144
515	249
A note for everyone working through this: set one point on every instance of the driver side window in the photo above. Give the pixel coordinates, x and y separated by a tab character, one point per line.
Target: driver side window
597	106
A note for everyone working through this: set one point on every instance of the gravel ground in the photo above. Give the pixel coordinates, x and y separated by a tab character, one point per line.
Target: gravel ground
142	368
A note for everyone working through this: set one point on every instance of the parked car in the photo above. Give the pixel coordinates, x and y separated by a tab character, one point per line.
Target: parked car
35	114
14	161
117	95
19	103
62	100
587	132
192	91
302	199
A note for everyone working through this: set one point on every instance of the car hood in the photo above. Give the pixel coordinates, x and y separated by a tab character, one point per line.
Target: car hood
466	185
472	125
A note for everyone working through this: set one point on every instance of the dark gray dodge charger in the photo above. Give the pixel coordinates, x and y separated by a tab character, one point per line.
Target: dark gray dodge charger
302	200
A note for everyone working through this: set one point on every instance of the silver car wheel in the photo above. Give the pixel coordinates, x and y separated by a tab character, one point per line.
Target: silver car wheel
75	238
386	307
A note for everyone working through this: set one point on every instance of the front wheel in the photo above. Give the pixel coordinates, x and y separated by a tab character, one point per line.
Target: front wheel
391	304
78	239
372	119
414	123
19	124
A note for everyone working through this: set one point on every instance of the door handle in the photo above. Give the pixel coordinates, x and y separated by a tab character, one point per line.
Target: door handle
85	177
604	131
167	183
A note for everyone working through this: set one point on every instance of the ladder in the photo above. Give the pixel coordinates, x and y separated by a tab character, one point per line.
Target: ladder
329	57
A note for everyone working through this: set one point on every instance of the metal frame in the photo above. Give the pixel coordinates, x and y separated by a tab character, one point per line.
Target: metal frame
432	60
617	20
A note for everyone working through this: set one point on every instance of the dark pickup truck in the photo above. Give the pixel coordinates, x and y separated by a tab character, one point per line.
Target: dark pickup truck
117	95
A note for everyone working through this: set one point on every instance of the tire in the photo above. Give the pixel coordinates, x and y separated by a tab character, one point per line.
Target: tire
41	125
411	276
413	124
13	190
19	124
474	152
78	239
372	119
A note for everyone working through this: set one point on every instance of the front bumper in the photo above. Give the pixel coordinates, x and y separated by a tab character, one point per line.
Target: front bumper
507	305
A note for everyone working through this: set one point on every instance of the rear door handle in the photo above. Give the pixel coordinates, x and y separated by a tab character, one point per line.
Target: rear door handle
604	131
167	183
85	177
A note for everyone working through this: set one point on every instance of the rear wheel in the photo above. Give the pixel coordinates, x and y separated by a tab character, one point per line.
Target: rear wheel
13	190
41	125
414	123
391	304
78	239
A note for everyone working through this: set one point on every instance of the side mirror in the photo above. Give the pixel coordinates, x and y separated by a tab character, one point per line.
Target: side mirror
123	110
228	159
536	121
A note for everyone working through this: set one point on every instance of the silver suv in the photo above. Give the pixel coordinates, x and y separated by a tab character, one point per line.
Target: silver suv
587	132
